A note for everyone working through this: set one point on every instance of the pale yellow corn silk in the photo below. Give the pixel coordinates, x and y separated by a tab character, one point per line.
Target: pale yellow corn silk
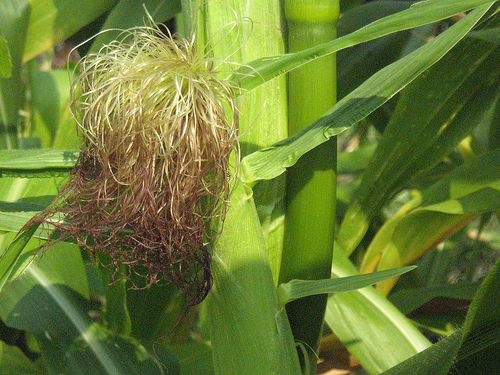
157	127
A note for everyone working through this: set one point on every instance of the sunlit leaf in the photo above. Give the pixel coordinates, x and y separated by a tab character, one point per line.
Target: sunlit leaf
358	318
272	161
51	22
296	289
421	13
24	163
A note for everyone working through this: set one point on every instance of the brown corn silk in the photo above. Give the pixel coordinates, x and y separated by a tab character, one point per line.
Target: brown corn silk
157	128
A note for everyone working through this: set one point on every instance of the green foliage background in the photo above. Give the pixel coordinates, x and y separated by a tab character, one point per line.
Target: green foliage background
417	123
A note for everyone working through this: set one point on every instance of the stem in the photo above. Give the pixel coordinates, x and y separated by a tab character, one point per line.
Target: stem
311	182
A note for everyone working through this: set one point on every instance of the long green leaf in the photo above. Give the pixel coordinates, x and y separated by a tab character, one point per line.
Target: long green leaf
194	358
436	360
37	160
154	312
472	188
53	304
447	206
359	62
421	13
14	362
481	335
368	324
11	256
426	128
408	300
52	22
23	196
296	289
272	161
50	91
242	304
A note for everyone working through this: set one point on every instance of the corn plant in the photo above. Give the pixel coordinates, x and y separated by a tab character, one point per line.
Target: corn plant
199	220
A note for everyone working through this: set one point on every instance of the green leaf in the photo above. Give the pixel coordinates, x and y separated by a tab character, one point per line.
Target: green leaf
194	358
472	188
355	161
51	22
12	255
109	354
5	61
272	161
117	315
51	301
421	13
481	332
23	196
446	207
25	163
50	91
358	63
425	128
296	289
242	304
117	355
489	35
154	311
368	324
416	234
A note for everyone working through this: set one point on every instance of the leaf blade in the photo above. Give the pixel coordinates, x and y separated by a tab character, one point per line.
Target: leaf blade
272	161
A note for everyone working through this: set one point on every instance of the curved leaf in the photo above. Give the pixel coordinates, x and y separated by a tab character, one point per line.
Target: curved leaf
368	324
13	20
53	304
270	162
296	289
14	362
447	206
25	163
52	22
421	13
472	188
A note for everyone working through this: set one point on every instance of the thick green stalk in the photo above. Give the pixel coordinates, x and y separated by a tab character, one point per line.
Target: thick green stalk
311	182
